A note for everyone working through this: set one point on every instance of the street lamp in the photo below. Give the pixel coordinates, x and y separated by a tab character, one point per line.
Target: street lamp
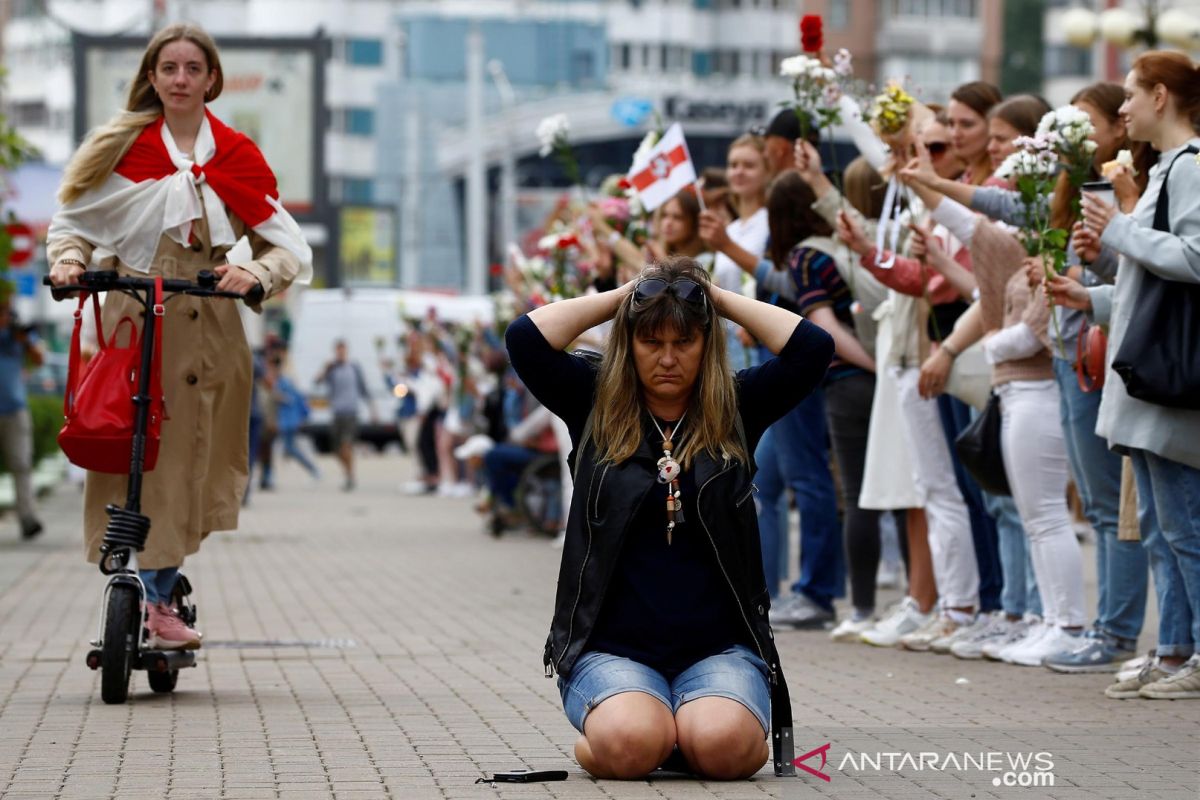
1124	28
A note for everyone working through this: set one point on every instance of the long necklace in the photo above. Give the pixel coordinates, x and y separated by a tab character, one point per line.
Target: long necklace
668	473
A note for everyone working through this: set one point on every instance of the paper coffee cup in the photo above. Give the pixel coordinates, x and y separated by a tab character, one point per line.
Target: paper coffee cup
1102	190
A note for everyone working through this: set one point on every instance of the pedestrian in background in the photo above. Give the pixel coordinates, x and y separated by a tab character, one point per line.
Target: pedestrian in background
346	386
18	346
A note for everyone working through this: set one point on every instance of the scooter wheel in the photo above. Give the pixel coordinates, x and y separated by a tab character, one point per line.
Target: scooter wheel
163	682
121	635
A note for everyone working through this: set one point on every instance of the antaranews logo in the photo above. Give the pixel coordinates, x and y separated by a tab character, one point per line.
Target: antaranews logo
1008	769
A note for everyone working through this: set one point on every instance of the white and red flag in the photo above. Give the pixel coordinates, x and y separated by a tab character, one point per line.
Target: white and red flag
156	190
664	170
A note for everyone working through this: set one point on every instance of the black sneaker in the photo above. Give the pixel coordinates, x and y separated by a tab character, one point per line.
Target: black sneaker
30	528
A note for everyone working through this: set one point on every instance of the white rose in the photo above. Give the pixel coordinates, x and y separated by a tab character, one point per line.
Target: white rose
1125	158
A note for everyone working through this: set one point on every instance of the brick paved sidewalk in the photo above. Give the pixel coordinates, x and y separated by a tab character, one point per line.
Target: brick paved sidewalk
372	645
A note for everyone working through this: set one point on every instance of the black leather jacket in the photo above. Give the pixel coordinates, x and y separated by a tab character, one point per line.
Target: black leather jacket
606	498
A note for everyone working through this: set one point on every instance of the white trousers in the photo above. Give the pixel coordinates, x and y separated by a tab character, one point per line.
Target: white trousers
951	545
1035	460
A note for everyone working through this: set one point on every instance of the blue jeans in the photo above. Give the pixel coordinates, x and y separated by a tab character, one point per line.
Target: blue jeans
503	465
797	448
159	583
1169	518
291	449
1020	593
737	674
956	416
1122	568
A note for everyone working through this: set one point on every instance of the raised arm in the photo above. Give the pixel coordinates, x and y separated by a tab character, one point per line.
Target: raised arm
771	325
562	322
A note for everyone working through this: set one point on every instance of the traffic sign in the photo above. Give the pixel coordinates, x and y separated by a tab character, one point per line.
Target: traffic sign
23	244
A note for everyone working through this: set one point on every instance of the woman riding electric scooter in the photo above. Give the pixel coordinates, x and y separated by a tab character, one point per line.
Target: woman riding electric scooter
167	189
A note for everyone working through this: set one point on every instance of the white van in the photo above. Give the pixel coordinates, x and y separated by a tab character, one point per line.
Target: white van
372	323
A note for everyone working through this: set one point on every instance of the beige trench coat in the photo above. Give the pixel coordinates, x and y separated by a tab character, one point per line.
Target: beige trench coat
203	461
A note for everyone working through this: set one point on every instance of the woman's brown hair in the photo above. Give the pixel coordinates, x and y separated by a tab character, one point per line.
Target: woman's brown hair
104	147
617	426
864	188
1106	98
790	215
979	96
1177	73
1022	111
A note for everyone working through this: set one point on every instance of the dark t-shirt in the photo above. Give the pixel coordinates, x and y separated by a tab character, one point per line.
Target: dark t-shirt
669	606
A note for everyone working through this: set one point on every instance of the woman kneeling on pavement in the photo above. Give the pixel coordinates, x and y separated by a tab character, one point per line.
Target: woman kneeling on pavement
660	635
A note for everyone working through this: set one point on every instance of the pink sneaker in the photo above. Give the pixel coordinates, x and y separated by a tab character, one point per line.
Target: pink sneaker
168	631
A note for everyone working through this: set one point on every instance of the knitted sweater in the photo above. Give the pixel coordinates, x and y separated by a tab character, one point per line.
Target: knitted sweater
1004	294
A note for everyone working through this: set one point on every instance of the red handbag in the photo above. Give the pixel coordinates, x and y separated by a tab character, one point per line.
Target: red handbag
99	402
1091	348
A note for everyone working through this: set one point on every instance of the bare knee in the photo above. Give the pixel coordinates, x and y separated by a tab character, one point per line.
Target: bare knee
626	746
721	744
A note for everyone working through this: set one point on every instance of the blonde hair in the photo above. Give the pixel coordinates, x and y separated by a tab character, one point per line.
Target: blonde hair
759	145
617	427
105	146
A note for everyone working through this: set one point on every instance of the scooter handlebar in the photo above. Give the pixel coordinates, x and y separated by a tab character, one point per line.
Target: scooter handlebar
110	280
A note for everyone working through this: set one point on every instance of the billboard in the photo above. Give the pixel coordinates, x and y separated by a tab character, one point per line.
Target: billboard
274	92
367	246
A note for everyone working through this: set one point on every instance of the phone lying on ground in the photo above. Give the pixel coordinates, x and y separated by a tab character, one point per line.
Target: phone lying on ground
527	776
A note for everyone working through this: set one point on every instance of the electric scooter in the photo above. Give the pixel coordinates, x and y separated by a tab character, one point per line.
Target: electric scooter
121	643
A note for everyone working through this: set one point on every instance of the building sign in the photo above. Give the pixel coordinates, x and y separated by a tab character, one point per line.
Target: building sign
273	92
367	246
737	115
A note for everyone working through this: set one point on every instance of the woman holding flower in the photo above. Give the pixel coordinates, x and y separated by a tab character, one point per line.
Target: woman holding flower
1014	325
1162	104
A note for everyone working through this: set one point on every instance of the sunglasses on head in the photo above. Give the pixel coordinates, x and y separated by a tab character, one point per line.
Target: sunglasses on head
685	289
937	149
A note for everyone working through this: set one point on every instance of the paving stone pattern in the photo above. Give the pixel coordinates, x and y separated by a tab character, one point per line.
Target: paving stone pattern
409	664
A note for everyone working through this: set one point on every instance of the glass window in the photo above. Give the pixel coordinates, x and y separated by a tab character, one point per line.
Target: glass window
701	63
364	52
839	14
358	121
352	191
1063	60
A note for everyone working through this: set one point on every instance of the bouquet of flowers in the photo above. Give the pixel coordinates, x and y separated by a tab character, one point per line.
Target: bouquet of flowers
817	93
1033	169
889	111
567	279
1068	131
553	132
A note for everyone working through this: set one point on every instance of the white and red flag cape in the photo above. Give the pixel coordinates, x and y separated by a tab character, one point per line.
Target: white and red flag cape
153	191
664	170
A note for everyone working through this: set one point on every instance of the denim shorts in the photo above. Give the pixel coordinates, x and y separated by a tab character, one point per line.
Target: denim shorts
737	673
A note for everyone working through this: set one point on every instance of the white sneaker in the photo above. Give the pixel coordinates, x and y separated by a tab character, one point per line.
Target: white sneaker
994	628
1017	632
1133	666
1055	640
923	638
1029	640
905	619
942	645
849	630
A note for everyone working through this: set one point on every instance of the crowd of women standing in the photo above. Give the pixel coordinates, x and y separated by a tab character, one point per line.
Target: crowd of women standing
1000	575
